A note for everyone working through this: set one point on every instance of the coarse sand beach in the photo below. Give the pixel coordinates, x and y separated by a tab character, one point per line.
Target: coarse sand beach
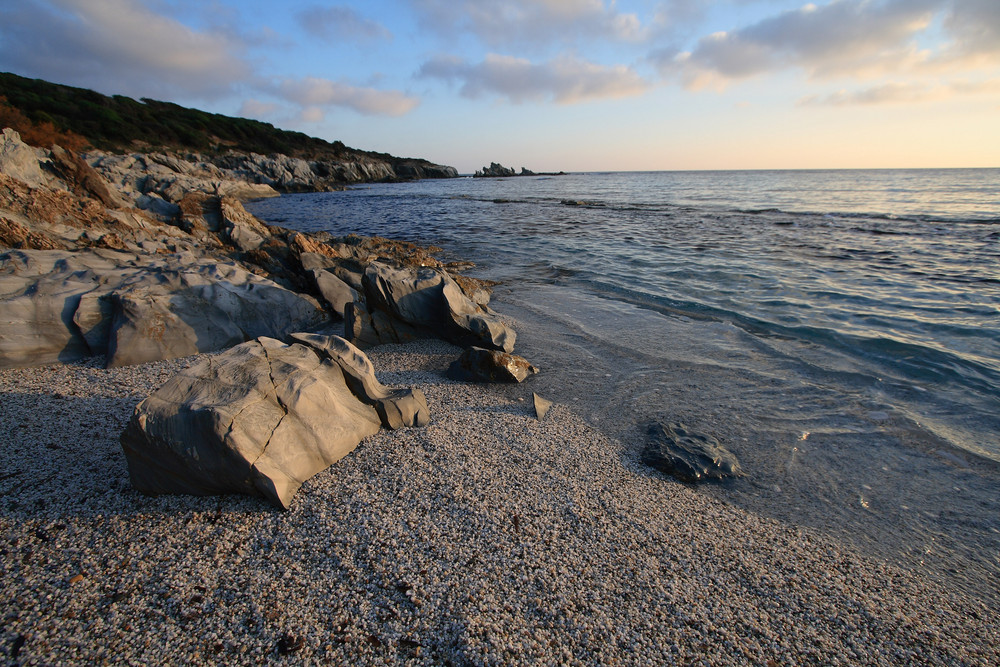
486	538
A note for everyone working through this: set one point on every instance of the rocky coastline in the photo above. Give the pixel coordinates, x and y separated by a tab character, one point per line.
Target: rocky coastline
160	346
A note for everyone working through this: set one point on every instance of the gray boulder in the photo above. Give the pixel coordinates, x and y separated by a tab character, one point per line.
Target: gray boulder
334	291
241	228
479	365
690	457
430	300
259	419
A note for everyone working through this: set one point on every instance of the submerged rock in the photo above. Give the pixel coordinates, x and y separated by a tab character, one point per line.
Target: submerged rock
690	457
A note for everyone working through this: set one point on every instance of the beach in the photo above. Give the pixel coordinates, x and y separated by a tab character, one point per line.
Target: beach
487	537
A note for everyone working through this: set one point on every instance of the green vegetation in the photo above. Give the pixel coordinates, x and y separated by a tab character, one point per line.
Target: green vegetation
121	123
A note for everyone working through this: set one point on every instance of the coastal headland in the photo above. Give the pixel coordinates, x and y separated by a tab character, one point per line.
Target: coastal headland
483	534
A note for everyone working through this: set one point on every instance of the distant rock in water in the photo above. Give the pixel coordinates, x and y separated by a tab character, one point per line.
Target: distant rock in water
690	457
497	170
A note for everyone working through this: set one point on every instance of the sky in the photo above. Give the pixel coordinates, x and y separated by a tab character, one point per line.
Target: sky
573	85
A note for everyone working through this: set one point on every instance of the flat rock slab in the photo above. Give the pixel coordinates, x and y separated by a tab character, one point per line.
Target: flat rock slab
688	456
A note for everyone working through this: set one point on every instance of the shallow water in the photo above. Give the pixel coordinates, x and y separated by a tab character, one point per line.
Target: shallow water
839	331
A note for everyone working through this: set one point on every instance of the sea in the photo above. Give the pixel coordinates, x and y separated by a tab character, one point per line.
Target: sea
838	331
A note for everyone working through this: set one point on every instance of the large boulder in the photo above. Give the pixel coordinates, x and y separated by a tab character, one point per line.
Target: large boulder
429	300
259	419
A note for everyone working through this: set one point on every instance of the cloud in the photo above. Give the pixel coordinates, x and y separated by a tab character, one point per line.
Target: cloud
530	23
565	80
974	26
123	47
119	46
858	38
252	108
314	93
340	23
902	93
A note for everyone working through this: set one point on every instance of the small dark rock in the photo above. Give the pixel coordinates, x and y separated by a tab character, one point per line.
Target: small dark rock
480	365
690	457
289	643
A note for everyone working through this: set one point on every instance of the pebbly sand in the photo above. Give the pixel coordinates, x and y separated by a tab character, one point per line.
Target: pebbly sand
488	537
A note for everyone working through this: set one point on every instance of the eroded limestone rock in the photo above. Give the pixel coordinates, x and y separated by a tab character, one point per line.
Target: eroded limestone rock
259	419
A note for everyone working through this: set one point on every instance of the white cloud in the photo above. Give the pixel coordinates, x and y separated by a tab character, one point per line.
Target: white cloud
123	47
314	93
903	93
857	38
252	108
565	80
340	23
530	23
119	46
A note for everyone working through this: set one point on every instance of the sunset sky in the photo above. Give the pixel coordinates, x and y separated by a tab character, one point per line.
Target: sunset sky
576	85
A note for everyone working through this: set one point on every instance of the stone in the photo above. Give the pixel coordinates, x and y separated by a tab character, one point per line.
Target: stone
334	291
241	228
58	305
480	365
428	299
542	406
397	408
259	419
202	308
18	160
82	178
690	457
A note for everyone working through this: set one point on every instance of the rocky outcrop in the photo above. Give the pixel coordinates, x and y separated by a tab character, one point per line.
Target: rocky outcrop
497	170
479	365
690	457
88	273
60	305
261	419
427	300
156	181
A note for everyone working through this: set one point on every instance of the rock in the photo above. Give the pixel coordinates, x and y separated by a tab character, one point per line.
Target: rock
334	291
58	305
202	308
429	300
542	406
479	365
396	407
690	457
259	419
82	178
242	229
18	159
366	329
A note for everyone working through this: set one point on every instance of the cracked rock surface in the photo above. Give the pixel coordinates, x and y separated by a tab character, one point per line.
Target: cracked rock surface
261	419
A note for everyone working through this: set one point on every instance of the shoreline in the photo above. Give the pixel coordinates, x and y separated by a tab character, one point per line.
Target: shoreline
486	537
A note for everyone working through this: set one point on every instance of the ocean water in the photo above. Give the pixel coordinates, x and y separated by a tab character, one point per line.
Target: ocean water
839	331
